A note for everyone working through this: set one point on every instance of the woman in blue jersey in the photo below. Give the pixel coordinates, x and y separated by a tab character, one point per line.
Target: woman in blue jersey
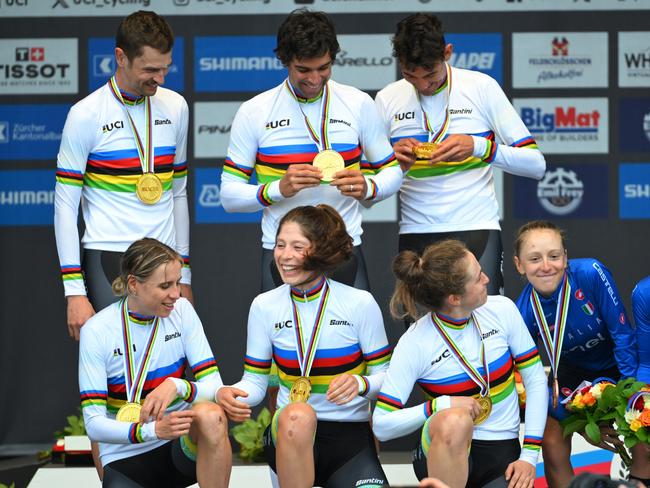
641	312
330	347
152	428
462	353
574	308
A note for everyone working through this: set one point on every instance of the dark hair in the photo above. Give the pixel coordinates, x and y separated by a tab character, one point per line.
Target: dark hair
419	41
536	225
304	35
140	260
430	279
143	28
331	244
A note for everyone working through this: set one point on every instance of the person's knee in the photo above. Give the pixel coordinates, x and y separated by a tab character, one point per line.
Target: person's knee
210	421
451	428
297	422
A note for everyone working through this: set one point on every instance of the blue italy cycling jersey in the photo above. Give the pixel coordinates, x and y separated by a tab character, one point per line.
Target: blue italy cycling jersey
641	311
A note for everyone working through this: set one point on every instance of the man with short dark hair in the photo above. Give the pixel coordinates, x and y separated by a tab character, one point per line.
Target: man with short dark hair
448	191
305	139
123	150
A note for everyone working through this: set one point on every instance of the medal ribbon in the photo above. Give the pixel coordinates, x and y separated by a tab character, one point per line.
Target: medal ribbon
436	137
145	151
553	345
307	354
483	383
133	382
322	142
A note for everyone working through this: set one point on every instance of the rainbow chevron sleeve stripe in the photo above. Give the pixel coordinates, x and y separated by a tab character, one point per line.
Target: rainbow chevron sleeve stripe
93	398
388	403
243	172
257	366
205	368
378	357
69	177
135	434
527	142
180	170
526	359
71	272
190	394
490	151
366	386
263	195
533	443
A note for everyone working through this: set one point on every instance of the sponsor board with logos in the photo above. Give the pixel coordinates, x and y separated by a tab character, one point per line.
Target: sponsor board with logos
478	52
634	59
207	200
567	191
634	125
212	121
101	63
31	131
567	125
365	61
38	66
634	190
559	60
96	8
26	197
236	64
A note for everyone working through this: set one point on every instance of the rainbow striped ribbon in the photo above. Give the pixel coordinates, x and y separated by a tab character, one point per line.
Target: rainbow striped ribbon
145	151
553	345
307	354
133	382
482	382
434	136
322	141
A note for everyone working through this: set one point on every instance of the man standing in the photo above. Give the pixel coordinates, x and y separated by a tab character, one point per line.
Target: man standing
449	189
123	150
305	139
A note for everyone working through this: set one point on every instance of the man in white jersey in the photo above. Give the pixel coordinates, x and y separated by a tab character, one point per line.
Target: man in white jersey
449	193
280	132
123	150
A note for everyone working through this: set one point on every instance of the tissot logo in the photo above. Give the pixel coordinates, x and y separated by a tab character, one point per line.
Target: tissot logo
278	123
404	116
560	47
113	125
22	54
162	122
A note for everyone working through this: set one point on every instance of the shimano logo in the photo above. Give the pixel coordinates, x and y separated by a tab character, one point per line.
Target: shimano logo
255	63
169	337
162	122
339	322
27	197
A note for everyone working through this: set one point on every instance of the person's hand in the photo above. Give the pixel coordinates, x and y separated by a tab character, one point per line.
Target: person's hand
158	400
608	439
468	403
457	147
175	425
79	311
432	483
351	183
298	177
235	410
520	474
342	389
186	292
404	152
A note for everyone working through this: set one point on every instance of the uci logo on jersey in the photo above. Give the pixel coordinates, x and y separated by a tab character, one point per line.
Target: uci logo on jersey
113	125
404	116
278	123
444	355
287	324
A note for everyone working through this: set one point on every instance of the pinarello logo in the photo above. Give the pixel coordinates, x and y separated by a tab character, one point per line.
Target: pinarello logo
579	295
560	47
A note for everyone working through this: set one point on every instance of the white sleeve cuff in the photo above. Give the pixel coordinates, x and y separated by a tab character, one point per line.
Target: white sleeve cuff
148	431
274	191
480	146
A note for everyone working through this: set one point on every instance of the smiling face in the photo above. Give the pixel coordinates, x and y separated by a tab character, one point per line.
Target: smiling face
291	247
427	80
542	259
143	74
308	76
158	293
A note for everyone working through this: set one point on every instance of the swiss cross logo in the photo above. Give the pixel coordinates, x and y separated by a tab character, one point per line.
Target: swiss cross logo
560	47
37	54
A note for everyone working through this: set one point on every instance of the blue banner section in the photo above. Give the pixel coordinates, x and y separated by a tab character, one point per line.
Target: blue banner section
634	190
571	191
478	52
236	64
27	197
101	63
634	125
207	200
31	131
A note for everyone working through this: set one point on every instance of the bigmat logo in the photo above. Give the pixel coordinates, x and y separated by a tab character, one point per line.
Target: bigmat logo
101	63
31	131
365	61
479	52
634	59
27	197
212	122
559	60
634	125
566	191
207	200
634	190
38	66
567	125
236	64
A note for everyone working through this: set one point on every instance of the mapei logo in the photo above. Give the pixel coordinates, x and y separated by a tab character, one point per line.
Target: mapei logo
119	124
560	192
210	196
4	132
562	119
560	47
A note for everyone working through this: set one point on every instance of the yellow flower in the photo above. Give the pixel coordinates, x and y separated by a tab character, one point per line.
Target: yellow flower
635	425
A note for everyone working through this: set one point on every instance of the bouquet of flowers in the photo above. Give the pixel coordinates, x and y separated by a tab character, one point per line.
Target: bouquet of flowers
632	411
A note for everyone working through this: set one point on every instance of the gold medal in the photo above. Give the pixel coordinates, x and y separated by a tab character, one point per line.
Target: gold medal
425	150
485	402
300	390
129	412
149	188
329	162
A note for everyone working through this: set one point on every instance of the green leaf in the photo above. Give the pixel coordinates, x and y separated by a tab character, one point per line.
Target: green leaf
264	418
642	435
630	442
593	432
576	425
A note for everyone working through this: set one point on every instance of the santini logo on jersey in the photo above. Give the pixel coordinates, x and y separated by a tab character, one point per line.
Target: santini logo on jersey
169	337
162	122
339	322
